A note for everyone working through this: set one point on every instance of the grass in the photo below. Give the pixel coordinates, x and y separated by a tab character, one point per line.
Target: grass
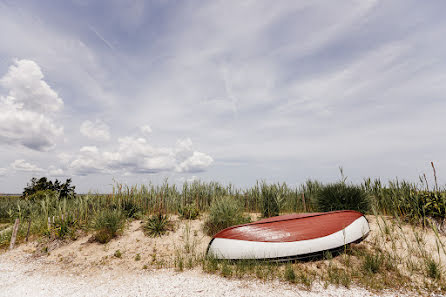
107	223
372	263
338	276
188	211
341	196
226	269
224	212
289	274
210	264
414	203
433	269
271	200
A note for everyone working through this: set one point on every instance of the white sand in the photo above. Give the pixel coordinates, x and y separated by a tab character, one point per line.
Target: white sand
40	279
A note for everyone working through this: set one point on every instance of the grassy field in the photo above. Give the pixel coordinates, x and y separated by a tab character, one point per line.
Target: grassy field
406	248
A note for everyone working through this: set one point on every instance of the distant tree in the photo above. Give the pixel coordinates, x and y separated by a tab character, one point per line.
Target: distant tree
65	190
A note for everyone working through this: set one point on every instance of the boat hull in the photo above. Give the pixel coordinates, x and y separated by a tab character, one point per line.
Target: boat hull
243	246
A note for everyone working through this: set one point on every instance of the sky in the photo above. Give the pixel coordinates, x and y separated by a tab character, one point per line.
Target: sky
229	91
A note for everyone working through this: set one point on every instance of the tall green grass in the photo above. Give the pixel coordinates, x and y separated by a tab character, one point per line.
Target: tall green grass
416	203
108	223
341	196
224	212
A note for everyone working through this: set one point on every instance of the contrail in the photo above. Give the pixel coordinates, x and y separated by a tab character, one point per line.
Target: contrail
102	38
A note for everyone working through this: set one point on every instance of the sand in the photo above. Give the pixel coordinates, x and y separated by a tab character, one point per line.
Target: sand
145	267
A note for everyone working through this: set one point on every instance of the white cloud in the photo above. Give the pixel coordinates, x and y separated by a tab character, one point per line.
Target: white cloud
3	171
89	149
146	129
191	179
27	88
97	130
136	155
22	165
64	158
55	172
25	116
88	161
189	160
195	163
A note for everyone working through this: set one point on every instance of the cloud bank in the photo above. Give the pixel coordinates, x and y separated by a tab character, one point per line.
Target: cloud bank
136	156
22	165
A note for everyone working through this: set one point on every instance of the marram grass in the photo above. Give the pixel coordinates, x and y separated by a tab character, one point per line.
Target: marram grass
415	203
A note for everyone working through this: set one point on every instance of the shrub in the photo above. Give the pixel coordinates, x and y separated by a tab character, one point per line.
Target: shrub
188	212
270	201
157	225
108	223
224	212
340	196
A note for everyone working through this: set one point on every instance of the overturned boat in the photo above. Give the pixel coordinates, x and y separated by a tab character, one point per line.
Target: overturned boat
290	236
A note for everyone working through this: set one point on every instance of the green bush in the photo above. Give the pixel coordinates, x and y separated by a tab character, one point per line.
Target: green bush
108	223
188	212
340	196
224	212
157	225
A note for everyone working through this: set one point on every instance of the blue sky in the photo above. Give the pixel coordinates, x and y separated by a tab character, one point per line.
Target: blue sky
231	91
